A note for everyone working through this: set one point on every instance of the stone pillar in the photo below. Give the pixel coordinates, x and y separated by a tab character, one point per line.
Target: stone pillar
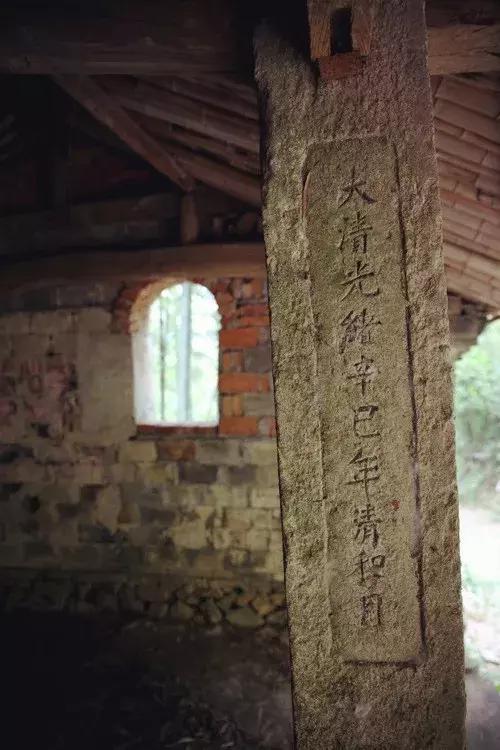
363	393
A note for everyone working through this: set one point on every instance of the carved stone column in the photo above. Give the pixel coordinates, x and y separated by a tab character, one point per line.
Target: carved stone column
363	393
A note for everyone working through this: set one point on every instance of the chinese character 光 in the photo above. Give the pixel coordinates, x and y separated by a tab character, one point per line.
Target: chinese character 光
358	280
362	415
371	610
369	568
366	523
355	186
366	470
358	328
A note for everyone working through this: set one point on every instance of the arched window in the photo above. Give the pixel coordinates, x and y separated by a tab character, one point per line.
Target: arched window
176	358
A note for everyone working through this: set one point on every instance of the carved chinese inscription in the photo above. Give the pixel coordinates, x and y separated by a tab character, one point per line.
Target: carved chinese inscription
364	367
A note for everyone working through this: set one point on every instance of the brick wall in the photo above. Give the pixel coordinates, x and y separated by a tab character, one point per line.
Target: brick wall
83	491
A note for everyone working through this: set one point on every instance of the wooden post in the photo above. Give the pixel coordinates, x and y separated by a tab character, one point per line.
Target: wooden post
363	393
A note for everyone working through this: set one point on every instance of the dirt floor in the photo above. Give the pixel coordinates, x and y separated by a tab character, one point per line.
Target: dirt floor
76	683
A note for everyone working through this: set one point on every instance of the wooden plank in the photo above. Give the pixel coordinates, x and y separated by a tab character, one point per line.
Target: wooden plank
245	187
125	221
234	157
464	48
473	207
208	94
180	36
199	37
208	261
451	12
460	91
451	235
472	289
473	155
179	110
469	120
105	109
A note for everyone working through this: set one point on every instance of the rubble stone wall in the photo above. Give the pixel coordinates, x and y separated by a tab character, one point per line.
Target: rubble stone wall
94	509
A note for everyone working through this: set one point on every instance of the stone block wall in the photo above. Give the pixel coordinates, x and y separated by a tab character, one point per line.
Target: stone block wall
87	495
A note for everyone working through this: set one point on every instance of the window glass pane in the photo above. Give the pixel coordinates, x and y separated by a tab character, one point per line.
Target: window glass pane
181	348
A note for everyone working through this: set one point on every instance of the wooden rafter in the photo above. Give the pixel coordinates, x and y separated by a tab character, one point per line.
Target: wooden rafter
243	186
107	110
208	93
155	101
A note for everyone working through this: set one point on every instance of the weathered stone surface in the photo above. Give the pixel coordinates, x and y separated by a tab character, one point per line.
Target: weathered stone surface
197	473
258	359
105	384
181	611
211	612
261	453
244	617
239	475
110	493
138	451
264	499
219	452
258	404
362	379
262	605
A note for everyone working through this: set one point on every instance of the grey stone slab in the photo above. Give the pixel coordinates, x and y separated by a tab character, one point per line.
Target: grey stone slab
363	394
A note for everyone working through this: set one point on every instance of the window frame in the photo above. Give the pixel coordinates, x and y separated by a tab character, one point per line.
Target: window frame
140	330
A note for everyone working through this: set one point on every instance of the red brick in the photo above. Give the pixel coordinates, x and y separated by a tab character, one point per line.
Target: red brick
253	288
219	287
176	450
228	320
243	382
262	321
232	361
232	406
239	338
253	310
225	298
244	426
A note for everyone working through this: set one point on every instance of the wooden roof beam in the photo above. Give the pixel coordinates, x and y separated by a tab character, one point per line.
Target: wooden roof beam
104	108
237	259
123	36
198	37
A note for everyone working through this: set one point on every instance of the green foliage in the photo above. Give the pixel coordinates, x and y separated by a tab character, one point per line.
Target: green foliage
183	328
477	420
